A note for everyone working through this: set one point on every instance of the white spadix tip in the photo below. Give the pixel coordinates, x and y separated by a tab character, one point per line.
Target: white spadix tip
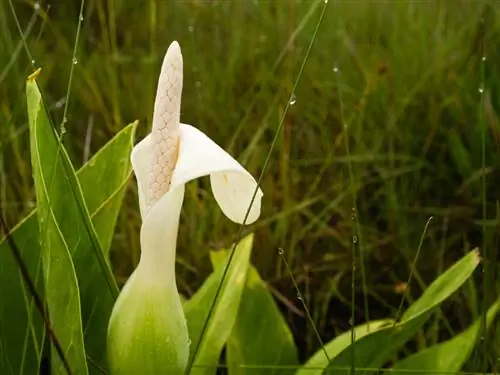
166	119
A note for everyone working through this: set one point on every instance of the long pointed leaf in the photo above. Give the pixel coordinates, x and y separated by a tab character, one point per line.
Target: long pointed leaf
60	282
21	333
260	335
224	315
373	350
20	324
318	362
446	357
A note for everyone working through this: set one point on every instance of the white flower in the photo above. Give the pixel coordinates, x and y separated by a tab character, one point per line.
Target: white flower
147	332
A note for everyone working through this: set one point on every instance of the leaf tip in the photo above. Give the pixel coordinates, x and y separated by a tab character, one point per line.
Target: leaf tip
476	255
34	75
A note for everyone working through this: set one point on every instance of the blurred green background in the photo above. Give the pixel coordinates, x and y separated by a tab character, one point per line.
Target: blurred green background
409	86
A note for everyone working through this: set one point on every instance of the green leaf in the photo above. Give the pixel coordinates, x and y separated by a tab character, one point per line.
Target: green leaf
449	356
70	247
21	328
112	168
318	362
224	314
374	349
260	335
60	282
19	353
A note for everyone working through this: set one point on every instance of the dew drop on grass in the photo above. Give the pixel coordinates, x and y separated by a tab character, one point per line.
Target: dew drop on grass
281	251
36	6
299	297
293	99
81	18
354	239
480	90
335	69
75	61
483	58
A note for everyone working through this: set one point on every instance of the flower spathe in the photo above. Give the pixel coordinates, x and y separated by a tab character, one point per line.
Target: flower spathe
147	332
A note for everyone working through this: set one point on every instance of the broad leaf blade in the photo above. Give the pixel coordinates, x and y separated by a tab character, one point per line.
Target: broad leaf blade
318	362
20	323
449	356
260	337
21	326
111	169
60	283
224	314
374	349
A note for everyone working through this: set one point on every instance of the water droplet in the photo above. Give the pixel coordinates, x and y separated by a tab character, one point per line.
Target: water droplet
36	6
92	162
351	322
281	251
293	99
81	18
354	239
60	103
191	28
33	62
63	130
480	90
75	61
326	1
483	58
299	297
335	69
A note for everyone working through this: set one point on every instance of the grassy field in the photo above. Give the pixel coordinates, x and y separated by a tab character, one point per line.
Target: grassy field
385	135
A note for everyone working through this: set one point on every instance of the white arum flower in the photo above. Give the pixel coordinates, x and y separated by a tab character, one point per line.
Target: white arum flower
147	333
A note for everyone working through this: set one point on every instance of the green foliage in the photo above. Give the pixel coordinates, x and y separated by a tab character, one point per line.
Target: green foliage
224	314
376	348
449	356
61	227
21	326
319	361
260	338
409	90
